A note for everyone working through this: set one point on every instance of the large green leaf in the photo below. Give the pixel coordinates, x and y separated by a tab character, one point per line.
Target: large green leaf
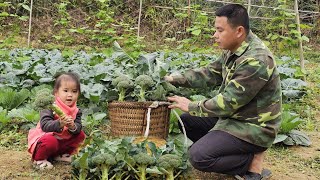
119	54
10	99
25	114
280	138
83	161
289	72
4	119
291	83
292	88
196	32
289	121
296	137
4	14
92	91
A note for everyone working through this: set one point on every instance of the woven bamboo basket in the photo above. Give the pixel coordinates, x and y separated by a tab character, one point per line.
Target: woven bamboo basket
130	119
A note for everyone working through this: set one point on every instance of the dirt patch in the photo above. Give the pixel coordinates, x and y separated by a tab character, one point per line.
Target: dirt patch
309	152
16	164
296	162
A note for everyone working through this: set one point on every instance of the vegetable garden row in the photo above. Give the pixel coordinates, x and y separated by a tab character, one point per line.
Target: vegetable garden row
25	71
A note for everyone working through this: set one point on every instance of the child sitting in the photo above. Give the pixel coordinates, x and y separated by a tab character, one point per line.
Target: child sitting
58	137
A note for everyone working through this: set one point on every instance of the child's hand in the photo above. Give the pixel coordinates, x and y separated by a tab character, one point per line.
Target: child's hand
70	123
63	121
67	121
72	127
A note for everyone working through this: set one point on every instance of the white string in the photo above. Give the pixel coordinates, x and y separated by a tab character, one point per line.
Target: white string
146	133
183	129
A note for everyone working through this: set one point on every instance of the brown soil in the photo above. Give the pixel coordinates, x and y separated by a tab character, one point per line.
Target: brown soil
15	164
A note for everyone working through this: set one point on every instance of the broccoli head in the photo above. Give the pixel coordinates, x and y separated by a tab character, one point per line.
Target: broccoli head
122	83
168	163
144	81
104	161
142	161
169	87
162	90
118	79
45	100
81	167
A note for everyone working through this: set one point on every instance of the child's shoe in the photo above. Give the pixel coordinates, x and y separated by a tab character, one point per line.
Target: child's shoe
42	164
63	158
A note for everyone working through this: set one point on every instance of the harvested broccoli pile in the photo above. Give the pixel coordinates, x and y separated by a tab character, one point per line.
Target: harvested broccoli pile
123	159
45	100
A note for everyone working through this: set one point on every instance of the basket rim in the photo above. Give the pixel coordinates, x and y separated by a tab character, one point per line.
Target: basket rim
136	104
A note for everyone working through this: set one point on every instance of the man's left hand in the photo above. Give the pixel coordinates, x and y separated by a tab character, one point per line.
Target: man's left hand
180	102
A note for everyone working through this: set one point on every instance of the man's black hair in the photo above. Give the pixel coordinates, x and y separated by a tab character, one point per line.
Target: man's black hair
236	14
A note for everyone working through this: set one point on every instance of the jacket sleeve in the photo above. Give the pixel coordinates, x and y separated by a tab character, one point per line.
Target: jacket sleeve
48	123
201	77
77	123
249	77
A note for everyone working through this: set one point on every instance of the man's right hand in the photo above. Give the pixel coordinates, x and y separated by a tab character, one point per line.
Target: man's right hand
168	78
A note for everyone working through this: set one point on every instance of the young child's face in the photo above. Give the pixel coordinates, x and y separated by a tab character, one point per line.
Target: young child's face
68	92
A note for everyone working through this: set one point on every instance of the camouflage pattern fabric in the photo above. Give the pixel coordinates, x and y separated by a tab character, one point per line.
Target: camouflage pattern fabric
249	100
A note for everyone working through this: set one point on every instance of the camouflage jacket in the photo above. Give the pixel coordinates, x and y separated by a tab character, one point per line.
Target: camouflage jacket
248	103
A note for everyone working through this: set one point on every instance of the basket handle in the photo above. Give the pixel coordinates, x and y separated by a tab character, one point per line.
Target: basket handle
155	104
183	128
146	133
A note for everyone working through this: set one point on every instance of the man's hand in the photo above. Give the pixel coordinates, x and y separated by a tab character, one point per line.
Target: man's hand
180	102
168	78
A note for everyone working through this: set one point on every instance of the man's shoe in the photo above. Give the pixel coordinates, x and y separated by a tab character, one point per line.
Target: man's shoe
265	175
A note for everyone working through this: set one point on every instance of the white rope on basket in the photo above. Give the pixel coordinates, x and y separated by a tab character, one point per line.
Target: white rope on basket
183	129
148	123
155	104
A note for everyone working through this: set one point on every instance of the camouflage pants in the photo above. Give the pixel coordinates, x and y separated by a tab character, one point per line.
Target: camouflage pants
217	151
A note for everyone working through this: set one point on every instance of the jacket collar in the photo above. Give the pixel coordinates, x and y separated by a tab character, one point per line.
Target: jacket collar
244	44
